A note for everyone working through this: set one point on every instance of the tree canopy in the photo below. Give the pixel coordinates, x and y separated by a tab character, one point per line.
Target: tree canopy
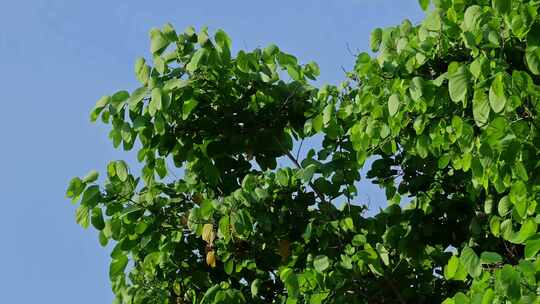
447	110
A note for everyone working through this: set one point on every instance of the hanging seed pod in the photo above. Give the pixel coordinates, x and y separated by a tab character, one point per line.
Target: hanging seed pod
211	258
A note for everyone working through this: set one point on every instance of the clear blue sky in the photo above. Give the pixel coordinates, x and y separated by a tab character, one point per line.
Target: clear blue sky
58	57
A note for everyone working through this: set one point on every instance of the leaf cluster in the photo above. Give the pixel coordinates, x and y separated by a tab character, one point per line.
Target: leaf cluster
446	112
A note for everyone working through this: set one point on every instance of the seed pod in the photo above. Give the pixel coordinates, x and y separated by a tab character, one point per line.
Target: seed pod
184	220
284	249
197	198
208	234
211	259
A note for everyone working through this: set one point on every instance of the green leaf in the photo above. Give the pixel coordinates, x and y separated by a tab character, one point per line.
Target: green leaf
422	146
416	88
242	62
159	124
249	183
359	240
158	42
129	210
317	123
117	267
195	61
481	108
375	39
103	240
97	219
91	196
383	254
505	206
308	172
458	83
294	72
473	18
82	216
223	41
471	262
527	230
137	96
271	50
188	107
118	100
451	268
488	297
156	102
502	7
159	65
75	188
228	266
282	177
255	286
507	229
142	71
202	37
91	177
490	258
121	170
224	228
497	128
328	114
443	161
100	105
510	281
497	97
424	4
321	263
175	83
518	197
289	278
141	228
461	298
532	56
393	104
210	294
312	70
478	66
533	36
433	21
150	262
242	222
406	27
532	246
286	59
169	32
161	168
347	224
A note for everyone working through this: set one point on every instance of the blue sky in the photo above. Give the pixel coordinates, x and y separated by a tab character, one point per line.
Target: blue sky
58	57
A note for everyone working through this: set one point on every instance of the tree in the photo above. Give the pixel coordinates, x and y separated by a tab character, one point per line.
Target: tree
447	109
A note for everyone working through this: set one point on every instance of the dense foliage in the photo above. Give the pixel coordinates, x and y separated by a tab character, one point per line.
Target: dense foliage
447	110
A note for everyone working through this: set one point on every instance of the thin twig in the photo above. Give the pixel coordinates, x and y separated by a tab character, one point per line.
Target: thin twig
349	49
299	149
319	194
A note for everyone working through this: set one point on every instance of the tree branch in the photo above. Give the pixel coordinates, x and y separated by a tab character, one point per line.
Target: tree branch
395	291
